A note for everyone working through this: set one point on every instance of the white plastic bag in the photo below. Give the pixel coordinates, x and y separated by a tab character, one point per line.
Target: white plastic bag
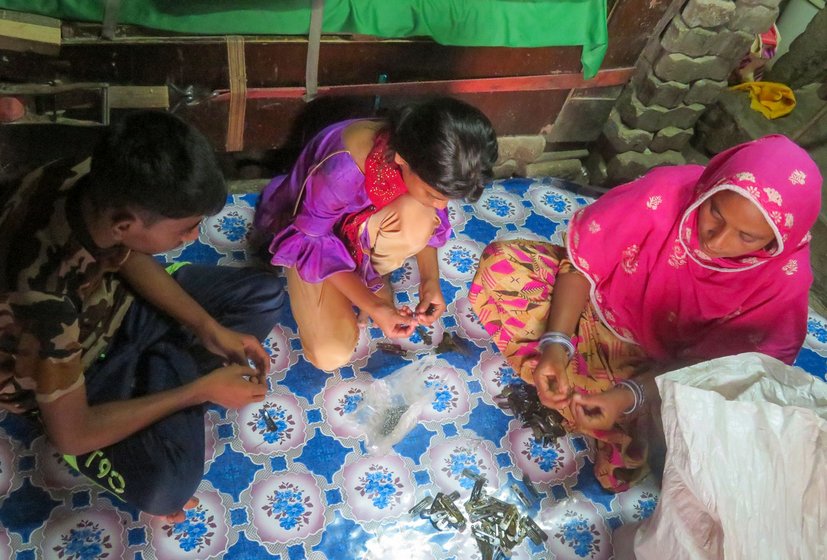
746	466
392	405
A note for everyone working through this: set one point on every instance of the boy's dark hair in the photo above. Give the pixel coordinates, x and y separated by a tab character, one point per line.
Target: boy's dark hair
450	144
157	165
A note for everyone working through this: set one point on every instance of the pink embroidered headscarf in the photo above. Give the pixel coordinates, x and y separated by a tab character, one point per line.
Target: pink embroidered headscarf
652	285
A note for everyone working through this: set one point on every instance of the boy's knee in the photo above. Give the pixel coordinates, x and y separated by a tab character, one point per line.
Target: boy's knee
170	491
167	480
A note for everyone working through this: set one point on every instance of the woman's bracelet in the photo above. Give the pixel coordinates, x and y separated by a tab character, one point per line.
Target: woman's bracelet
637	390
555	337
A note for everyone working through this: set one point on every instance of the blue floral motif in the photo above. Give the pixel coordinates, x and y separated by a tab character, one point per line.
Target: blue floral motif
401	274
557	202
289	506
461	259
498	206
817	329
273	422
462	458
194	532
233	226
548	458
86	542
579	535
506	376
348	403
272	348
444	394
380	485
645	506
452	214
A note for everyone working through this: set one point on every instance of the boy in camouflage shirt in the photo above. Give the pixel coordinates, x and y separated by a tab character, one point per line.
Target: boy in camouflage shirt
114	355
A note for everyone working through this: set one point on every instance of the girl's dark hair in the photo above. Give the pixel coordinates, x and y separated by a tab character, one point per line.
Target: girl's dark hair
158	165
448	143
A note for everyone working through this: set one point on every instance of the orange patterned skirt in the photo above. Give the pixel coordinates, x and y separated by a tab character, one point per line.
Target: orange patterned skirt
511	294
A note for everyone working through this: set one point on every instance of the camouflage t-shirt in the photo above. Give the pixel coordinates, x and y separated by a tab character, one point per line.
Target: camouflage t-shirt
60	301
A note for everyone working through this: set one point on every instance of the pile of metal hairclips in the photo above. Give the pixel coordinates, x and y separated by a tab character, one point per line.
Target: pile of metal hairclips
521	399
497	526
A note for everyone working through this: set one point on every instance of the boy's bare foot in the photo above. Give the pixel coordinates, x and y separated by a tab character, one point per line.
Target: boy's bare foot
181	515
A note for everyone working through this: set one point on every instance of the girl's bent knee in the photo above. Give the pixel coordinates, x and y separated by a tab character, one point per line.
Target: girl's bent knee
329	359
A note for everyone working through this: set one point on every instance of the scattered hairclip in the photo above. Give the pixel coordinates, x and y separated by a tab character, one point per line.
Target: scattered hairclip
546	424
391	348
496	525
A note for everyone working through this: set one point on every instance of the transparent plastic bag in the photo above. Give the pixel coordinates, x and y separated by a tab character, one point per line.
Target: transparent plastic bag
391	406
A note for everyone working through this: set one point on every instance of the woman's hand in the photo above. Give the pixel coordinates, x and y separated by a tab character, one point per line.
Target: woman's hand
231	386
601	411
431	303
550	377
235	347
395	323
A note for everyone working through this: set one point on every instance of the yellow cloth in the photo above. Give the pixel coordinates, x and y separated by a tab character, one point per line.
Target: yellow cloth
769	98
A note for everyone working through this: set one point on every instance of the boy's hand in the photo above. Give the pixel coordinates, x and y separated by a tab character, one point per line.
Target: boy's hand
431	303
550	378
601	411
236	347
231	386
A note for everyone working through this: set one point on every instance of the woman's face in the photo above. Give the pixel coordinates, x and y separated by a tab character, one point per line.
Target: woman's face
421	191
730	225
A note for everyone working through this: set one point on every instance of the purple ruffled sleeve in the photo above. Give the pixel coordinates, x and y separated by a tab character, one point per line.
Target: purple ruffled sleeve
442	233
308	243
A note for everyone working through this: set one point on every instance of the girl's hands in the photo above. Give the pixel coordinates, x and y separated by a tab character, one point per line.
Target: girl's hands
395	323
601	411
431	303
550	377
235	347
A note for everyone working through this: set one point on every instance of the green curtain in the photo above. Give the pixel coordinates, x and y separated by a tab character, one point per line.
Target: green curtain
473	23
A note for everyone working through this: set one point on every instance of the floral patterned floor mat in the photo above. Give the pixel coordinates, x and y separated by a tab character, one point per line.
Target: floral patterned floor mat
307	489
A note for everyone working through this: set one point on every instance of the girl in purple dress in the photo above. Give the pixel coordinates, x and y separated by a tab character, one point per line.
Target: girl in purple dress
364	196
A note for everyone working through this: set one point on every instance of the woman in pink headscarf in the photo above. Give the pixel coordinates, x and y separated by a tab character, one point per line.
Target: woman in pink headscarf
683	265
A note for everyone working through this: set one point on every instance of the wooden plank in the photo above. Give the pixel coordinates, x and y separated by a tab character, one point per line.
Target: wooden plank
139	97
562	81
29	32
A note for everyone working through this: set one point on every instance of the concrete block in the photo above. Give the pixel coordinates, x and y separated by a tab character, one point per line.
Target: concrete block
671	138
731	44
582	118
504	170
570	169
805	62
707	13
766	3
596	168
691	41
652	50
753	19
653	91
705	91
637	115
630	165
520	148
681	68
683	116
558	155
624	139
